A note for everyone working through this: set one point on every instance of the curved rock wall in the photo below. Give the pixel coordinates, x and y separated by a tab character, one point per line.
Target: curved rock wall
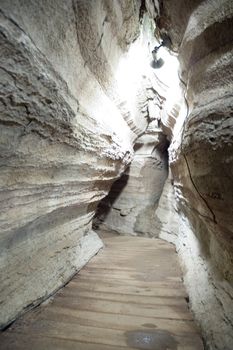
130	205
201	160
74	100
67	132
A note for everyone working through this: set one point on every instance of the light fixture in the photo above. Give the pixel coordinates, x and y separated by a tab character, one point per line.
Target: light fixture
157	60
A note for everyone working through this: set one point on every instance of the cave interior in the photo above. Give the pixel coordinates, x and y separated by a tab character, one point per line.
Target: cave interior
116	168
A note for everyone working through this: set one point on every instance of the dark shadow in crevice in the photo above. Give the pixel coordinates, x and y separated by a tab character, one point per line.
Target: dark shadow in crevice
137	147
107	202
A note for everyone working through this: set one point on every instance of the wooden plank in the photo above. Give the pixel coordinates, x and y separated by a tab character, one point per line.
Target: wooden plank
133	276
112	321
93	280
178	312
131	289
76	332
135	289
37	342
77	293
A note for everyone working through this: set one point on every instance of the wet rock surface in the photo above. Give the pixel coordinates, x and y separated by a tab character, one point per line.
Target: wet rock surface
151	339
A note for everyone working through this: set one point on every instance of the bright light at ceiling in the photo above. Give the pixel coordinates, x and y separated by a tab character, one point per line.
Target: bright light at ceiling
168	74
137	64
131	68
136	68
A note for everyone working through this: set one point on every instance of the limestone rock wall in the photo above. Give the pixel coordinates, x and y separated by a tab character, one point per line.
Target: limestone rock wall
75	97
166	224
67	132
130	205
201	160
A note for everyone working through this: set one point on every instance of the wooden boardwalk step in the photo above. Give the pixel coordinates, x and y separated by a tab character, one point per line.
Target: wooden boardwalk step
129	296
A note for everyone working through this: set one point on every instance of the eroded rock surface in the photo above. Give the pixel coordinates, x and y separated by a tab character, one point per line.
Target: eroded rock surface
130	205
201	160
76	95
67	132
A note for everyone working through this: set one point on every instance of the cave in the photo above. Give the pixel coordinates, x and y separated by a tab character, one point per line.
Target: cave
116	170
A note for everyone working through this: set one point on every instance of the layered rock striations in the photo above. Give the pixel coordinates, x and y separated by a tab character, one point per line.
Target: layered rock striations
201	160
78	99
67	132
130	205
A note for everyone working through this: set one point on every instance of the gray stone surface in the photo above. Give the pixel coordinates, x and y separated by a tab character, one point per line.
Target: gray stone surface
201	161
66	133
76	96
130	205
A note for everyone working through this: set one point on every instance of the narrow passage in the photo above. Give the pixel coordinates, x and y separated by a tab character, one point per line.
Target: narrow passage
129	296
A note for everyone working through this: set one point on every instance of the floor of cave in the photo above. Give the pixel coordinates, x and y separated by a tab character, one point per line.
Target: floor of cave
129	296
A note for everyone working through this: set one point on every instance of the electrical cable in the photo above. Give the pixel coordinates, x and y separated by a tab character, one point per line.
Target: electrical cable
185	158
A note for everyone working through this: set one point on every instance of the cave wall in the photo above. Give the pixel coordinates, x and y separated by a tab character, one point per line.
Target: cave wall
201	161
67	132
129	208
74	100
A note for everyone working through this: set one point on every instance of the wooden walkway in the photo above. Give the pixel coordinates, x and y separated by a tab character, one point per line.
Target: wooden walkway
129	296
